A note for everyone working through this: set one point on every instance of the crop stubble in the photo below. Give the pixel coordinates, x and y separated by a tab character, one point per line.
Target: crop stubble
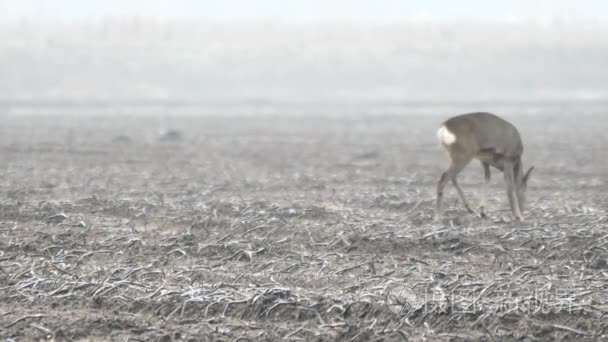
297	228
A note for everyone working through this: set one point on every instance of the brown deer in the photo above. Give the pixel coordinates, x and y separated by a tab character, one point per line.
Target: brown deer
494	142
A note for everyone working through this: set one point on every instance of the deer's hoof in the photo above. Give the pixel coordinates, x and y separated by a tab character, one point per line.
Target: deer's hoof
482	212
517	219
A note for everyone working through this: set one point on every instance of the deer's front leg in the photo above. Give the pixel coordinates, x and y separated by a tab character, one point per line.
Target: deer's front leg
511	190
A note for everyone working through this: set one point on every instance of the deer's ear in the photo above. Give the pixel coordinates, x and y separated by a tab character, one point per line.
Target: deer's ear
527	175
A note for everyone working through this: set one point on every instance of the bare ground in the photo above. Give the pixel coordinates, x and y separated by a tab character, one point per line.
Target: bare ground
293	228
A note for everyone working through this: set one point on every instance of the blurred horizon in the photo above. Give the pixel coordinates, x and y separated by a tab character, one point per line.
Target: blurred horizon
358	10
305	52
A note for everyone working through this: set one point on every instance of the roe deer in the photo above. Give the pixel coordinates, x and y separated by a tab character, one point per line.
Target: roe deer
494	142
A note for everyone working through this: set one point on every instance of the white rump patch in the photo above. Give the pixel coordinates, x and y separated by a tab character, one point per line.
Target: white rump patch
445	136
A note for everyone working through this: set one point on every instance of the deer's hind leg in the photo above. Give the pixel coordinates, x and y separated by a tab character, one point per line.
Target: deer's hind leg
461	193
484	188
457	163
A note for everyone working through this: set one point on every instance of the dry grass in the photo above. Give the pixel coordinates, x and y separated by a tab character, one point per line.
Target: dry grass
290	229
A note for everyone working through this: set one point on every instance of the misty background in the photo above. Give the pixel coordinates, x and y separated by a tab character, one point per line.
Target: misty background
303	51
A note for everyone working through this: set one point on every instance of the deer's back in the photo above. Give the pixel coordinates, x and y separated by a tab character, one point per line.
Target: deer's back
486	131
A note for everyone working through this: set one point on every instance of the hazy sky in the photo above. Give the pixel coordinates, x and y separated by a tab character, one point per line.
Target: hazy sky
230	55
301	9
